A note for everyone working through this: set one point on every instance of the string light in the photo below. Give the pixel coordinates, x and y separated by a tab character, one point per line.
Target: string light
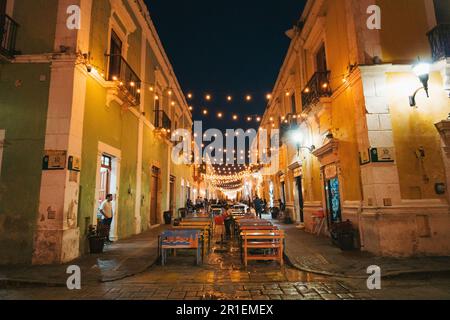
229	98
248	98
189	95
235	117
208	97
205	112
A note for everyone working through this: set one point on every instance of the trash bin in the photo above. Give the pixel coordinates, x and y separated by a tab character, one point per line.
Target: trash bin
168	217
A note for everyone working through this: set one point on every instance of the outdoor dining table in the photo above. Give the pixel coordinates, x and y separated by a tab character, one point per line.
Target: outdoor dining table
262	239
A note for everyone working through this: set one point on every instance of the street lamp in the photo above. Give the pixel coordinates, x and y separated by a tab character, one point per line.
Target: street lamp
297	138
422	71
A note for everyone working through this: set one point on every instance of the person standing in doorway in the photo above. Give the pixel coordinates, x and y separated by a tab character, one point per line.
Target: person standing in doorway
106	210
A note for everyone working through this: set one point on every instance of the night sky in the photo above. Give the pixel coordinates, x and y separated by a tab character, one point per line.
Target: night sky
226	48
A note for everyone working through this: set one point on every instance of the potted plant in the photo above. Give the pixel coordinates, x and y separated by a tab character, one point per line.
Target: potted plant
168	217
96	240
343	235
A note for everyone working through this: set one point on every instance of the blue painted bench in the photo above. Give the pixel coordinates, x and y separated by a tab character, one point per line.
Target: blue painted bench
179	239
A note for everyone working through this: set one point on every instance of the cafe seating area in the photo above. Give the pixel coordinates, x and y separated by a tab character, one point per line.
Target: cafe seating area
257	239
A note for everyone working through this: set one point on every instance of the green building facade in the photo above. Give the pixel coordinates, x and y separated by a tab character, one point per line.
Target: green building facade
85	110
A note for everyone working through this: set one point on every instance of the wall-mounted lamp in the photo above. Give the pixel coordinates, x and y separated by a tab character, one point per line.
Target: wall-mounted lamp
297	137
422	71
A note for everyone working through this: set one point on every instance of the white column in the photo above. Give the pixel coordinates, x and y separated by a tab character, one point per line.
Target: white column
381	183
57	233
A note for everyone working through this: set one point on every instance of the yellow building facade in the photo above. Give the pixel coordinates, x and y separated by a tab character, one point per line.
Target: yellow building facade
353	147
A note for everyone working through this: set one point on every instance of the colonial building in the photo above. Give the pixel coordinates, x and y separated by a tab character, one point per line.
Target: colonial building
88	101
359	142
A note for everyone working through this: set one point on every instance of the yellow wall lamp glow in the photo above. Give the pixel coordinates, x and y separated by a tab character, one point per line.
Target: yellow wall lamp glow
298	138
422	71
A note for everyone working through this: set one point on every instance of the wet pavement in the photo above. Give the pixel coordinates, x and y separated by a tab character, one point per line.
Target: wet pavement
131	273
221	277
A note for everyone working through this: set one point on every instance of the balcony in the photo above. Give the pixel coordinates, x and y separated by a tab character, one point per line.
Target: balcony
8	33
128	82
318	87
162	121
439	39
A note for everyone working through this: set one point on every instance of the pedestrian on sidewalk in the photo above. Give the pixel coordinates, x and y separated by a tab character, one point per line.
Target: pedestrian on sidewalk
106	210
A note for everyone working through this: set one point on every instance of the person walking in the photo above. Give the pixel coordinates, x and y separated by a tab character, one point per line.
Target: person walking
258	206
106	209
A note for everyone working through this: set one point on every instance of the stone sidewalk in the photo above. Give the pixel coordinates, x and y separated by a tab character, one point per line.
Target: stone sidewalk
318	255
120	260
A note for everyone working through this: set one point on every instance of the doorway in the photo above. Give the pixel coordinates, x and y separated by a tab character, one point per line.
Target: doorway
301	203
271	195
107	183
105	179
333	201
172	194
154	203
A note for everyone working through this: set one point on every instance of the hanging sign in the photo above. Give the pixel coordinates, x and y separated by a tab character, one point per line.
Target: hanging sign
54	160
330	171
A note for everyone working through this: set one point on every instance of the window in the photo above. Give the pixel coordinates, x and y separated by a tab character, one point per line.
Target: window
2	143
321	60
293	105
116	56
2	7
442	9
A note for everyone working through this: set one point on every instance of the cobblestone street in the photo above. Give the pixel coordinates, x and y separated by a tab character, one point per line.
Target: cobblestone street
221	277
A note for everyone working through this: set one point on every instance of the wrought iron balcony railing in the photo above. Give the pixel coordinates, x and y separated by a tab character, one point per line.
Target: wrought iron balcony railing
439	39
317	87
8	34
162	121
128	81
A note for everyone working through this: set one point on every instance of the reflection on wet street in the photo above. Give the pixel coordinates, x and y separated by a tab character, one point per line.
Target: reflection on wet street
222	265
222	276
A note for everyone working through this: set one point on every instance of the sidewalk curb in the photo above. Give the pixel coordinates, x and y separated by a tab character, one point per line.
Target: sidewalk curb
389	275
128	275
6	283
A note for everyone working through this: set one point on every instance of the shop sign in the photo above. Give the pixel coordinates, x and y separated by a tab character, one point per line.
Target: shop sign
74	164
382	154
54	160
297	172
330	171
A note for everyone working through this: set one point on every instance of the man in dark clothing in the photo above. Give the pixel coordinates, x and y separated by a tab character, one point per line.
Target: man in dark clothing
258	206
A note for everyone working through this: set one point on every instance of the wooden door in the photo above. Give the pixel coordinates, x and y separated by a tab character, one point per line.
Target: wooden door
154	196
